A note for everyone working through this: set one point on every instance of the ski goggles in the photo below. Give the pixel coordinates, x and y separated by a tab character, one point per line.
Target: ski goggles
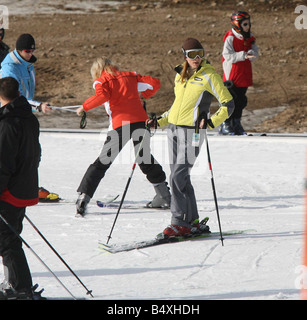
194	53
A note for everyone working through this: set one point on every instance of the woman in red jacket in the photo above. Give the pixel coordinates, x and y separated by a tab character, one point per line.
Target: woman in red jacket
238	52
119	92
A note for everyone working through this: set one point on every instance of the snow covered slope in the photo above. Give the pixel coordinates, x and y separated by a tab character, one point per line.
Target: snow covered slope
260	185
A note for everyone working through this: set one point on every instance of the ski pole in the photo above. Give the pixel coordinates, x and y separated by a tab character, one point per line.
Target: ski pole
63	109
66	108
71	107
83	121
36	255
213	187
127	185
58	255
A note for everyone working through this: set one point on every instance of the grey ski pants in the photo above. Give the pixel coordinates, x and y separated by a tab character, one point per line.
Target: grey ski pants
182	156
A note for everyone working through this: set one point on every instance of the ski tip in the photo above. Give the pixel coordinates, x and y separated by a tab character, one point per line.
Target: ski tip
105	247
105	250
100	204
104	244
104	202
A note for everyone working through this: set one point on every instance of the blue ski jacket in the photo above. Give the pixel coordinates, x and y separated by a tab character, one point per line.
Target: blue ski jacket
23	71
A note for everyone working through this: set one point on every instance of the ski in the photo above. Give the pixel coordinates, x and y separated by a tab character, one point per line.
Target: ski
112	205
65	298
107	200
116	248
256	134
115	205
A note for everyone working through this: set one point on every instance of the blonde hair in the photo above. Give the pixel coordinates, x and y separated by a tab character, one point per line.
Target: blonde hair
102	64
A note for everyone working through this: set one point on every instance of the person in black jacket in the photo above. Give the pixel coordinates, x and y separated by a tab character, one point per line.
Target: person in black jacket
4	48
20	154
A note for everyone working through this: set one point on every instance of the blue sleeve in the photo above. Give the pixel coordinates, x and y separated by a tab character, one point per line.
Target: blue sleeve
9	70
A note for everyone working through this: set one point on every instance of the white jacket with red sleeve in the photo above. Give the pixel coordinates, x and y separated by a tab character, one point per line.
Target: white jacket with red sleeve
235	65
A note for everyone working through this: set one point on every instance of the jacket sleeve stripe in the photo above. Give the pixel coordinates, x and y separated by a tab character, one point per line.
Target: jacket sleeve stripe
212	87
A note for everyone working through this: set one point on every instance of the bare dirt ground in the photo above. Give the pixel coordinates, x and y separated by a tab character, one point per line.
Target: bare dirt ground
146	36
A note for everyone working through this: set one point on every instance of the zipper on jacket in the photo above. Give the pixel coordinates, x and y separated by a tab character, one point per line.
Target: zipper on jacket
185	85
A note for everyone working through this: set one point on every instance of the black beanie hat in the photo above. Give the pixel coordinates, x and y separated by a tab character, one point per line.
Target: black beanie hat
191	43
25	42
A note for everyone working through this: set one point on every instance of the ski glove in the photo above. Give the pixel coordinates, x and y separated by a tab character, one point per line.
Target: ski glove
152	121
208	122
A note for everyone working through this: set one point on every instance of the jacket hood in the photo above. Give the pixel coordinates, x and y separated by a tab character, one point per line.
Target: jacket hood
14	57
238	35
32	60
19	107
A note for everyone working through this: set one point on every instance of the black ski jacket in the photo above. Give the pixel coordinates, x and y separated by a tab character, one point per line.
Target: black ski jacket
20	154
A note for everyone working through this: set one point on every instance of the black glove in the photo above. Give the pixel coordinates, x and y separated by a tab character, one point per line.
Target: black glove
204	116
152	121
83	121
231	88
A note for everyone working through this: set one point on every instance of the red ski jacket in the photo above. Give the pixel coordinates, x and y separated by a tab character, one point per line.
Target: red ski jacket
235	67
120	95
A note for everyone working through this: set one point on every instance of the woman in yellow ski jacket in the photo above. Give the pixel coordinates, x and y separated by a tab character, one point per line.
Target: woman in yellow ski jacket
196	84
193	97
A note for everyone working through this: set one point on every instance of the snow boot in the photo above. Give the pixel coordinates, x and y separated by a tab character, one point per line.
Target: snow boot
237	127
45	196
226	128
162	199
81	204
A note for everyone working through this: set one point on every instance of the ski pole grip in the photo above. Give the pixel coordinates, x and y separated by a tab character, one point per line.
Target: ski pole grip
152	116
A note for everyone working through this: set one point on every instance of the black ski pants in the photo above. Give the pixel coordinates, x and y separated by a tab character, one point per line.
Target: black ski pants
240	100
115	141
16	269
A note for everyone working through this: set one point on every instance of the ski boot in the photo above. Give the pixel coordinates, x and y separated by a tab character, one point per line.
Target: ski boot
175	231
200	227
81	204
9	293
226	128
162	199
45	196
237	127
